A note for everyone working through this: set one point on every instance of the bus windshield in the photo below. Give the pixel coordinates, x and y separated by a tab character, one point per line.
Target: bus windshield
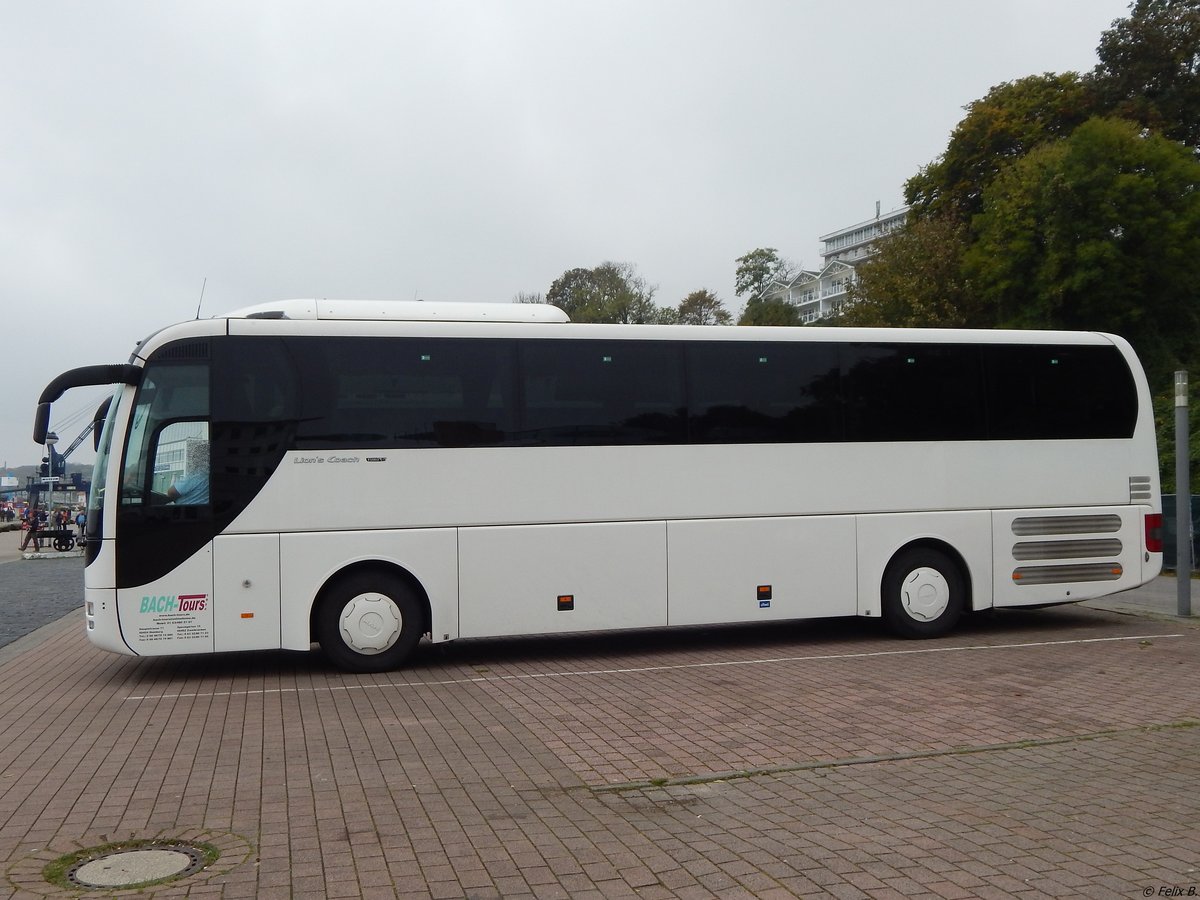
100	470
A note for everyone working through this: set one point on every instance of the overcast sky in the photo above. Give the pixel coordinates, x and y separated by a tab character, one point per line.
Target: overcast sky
452	150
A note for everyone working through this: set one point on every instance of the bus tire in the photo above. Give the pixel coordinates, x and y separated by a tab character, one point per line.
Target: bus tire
368	622
923	593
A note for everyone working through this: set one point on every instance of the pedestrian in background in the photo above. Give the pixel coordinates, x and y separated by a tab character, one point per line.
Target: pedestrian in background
31	532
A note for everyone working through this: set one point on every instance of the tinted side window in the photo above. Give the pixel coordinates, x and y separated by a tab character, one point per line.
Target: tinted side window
254	416
409	392
171	393
579	392
743	392
1059	392
912	392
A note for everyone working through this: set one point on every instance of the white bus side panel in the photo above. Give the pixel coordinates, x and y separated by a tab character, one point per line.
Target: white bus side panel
881	537
246	592
308	561
502	486
716	567
512	578
1064	548
175	613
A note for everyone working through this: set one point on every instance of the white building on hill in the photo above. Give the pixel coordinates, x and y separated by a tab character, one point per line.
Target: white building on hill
820	293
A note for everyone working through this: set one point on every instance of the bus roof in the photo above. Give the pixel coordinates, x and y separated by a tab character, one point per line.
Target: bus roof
401	311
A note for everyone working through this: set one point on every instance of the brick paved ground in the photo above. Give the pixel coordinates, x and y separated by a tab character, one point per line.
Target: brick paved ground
34	593
1031	754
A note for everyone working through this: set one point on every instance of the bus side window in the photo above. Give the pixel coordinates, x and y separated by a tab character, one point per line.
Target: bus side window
258	385
1056	392
181	464
743	392
599	393
405	392
913	392
170	392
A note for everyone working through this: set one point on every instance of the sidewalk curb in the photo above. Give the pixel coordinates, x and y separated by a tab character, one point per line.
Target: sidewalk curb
43	554
1192	621
73	619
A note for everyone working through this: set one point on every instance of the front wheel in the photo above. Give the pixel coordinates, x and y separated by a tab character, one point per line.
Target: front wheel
368	622
924	593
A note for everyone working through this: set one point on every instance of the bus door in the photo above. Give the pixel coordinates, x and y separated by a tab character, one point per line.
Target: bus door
164	519
184	585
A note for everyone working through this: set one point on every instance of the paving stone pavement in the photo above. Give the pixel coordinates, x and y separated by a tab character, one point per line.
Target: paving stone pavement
1030	754
34	593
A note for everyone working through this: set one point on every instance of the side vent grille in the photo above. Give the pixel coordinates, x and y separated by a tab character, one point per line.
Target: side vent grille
1100	547
1067	574
1099	524
1139	488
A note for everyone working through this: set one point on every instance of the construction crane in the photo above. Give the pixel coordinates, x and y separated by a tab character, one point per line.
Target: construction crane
56	463
55	466
62	457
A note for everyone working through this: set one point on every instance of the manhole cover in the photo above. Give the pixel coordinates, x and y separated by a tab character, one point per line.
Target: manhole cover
193	857
126	867
134	866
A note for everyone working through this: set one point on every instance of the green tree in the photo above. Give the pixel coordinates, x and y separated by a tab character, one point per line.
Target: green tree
703	308
1099	231
611	292
1164	422
576	294
1149	68
1072	216
915	280
770	312
757	272
1014	118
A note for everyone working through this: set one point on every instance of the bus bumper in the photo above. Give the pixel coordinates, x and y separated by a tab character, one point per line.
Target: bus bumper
103	626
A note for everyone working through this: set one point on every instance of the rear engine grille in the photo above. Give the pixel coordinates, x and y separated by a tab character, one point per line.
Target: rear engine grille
1066	549
1067	574
1098	524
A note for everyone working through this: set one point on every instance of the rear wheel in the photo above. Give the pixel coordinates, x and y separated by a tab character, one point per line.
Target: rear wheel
924	593
368	622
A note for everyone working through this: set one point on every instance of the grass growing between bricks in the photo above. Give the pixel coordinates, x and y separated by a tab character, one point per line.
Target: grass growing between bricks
59	871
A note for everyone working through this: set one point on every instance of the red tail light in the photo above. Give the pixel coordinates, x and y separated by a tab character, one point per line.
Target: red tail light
1154	532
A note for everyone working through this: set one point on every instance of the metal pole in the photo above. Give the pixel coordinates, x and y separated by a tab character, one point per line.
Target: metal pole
1183	498
51	440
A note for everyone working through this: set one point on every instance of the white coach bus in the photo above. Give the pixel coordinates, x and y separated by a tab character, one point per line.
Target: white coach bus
362	474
